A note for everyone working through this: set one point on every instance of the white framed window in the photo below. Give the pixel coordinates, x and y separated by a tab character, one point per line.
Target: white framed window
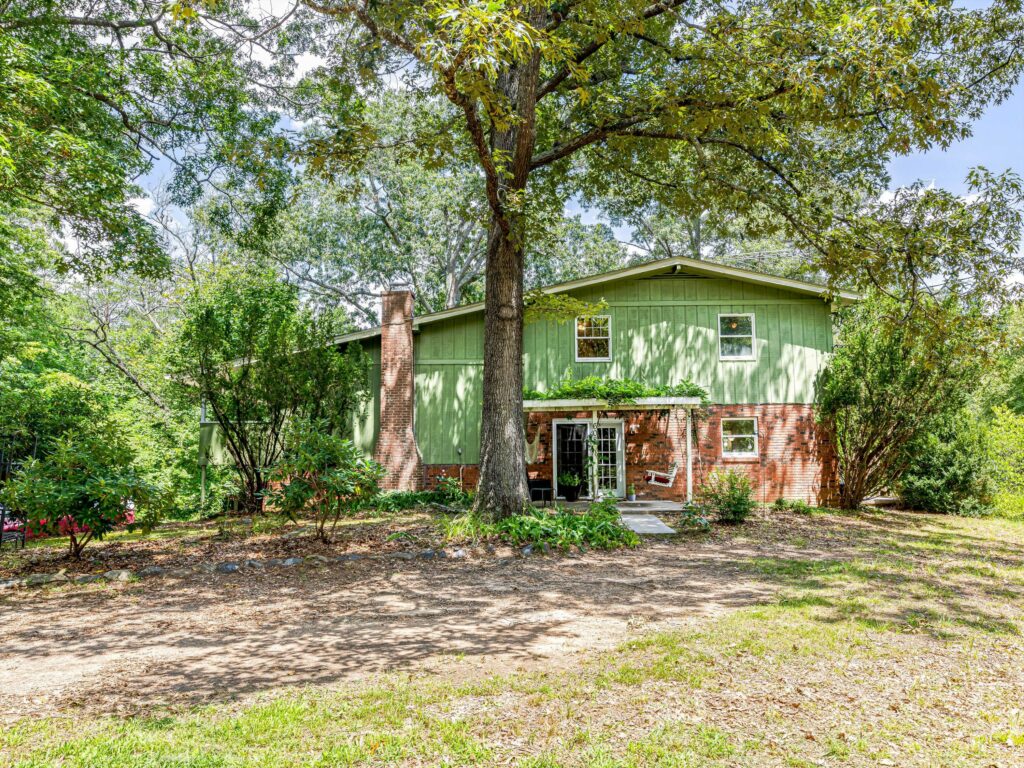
593	339
739	438
736	337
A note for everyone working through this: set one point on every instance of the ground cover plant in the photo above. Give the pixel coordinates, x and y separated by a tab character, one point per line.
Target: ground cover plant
597	527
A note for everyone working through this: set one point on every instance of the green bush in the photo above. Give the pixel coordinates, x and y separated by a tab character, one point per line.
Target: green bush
83	489
448	492
599	527
324	474
799	506
728	495
949	470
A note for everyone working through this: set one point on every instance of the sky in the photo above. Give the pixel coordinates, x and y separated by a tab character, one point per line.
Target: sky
997	142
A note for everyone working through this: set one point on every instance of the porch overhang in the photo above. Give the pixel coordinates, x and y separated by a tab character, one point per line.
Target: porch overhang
593	404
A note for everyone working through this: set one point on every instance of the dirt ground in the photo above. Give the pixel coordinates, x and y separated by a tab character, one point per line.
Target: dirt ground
213	638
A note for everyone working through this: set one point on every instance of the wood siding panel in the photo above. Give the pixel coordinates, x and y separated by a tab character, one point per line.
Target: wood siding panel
663	330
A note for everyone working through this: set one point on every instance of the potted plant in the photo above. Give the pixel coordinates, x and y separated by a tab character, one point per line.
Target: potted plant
569	485
631	493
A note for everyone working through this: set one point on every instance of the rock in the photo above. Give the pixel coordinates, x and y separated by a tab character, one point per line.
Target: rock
118	575
297	532
207	567
318	559
527	550
179	573
348	558
227	567
546	548
459	554
428	554
152	570
274	562
39	579
11	584
402	555
491	549
88	578
291	561
256	565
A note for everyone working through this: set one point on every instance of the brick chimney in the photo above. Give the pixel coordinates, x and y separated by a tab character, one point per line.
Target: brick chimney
396	449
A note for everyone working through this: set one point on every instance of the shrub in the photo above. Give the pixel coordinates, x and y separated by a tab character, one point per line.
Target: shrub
728	494
448	492
324	474
693	516
83	489
799	506
949	470
599	527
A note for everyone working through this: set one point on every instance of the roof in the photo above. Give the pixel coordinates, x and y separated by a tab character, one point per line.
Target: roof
694	266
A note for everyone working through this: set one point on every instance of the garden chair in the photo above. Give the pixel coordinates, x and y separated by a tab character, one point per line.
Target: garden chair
540	490
11	529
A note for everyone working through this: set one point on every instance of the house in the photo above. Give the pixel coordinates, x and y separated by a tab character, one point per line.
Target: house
754	342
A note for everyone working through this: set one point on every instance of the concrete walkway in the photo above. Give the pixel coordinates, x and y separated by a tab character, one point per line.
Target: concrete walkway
646	525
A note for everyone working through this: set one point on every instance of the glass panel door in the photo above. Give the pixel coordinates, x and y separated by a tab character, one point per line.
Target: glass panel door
607	459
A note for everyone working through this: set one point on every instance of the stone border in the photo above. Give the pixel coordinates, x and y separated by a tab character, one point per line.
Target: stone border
229	567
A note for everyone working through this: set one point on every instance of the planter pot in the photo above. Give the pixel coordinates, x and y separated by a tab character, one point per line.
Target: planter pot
630	497
570	492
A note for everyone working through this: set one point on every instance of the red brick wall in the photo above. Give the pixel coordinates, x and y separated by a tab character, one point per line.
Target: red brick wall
396	447
795	460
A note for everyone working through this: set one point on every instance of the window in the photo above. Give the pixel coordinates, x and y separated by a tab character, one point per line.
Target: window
739	438
736	337
593	338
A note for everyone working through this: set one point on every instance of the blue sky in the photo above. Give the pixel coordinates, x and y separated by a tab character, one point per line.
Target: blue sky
997	142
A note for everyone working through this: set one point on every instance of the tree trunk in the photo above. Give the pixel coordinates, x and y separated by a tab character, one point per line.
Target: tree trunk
503	490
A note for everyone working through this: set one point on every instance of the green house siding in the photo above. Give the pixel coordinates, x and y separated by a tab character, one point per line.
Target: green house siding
664	329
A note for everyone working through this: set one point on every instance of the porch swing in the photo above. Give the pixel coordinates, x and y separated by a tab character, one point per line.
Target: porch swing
667	479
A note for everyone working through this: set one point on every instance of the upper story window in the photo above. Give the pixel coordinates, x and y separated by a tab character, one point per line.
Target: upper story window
739	438
736	337
593	338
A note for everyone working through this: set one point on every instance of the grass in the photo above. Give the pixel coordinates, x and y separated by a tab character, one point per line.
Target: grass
906	654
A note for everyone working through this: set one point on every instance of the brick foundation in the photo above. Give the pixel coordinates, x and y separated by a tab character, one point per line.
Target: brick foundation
795	459
396	449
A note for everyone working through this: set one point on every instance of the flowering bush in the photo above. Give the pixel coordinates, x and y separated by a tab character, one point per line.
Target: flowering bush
82	489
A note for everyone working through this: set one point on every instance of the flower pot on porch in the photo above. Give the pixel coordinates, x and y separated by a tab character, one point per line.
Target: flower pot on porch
571	492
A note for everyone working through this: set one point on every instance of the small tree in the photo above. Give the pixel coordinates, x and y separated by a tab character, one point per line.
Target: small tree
257	359
83	489
322	473
895	373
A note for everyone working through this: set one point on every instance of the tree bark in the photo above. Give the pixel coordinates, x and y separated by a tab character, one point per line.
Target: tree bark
503	490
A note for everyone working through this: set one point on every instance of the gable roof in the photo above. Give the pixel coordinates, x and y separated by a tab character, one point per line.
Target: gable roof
675	263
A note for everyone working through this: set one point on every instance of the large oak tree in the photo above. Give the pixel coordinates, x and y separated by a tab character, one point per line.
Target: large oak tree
769	105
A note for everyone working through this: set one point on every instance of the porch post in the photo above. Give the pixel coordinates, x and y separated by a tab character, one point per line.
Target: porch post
689	455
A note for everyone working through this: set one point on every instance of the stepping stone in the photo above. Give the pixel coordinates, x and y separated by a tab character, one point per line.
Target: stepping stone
646	525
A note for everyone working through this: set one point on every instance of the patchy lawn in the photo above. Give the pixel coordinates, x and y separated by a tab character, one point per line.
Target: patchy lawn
860	640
